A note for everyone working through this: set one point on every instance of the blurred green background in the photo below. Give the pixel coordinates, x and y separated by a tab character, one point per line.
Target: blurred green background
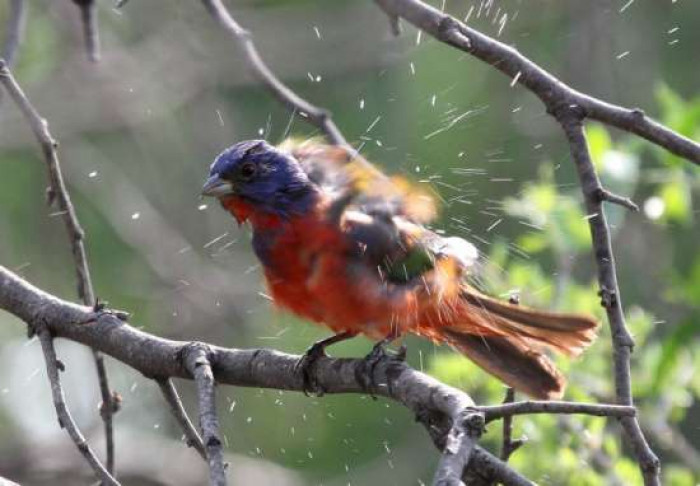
137	134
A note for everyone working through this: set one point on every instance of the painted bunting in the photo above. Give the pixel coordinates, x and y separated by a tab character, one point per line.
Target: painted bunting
346	246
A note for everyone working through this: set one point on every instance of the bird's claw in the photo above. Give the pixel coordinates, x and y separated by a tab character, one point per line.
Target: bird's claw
304	366
379	354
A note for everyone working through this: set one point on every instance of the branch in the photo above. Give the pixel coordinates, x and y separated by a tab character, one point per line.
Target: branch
58	193
177	408
65	420
554	93
198	364
610	294
493	412
15	30
612	198
461	441
570	108
318	117
91	33
509	445
432	402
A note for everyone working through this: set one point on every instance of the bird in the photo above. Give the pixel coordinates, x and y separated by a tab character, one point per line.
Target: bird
346	246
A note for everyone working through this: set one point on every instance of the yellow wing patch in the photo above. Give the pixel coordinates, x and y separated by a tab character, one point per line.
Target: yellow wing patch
417	202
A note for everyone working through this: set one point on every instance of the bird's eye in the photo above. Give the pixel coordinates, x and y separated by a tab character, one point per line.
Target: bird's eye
248	170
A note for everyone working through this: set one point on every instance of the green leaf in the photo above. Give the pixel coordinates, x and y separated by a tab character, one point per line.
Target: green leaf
534	242
599	143
677	199
670	352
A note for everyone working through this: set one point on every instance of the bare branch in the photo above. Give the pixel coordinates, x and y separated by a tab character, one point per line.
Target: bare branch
91	35
494	412
570	107
177	408
554	93
108	407
58	193
65	420
197	362
15	30
318	117
612	198
509	445
610	294
467	427
432	402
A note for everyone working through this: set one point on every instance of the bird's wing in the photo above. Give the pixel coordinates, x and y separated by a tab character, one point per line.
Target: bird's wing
402	251
340	172
382	216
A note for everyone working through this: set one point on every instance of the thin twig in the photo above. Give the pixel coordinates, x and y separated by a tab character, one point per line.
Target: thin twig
493	412
167	387
612	198
110	405
65	420
58	193
196	358
610	294
509	445
15	30
433	402
318	117
91	33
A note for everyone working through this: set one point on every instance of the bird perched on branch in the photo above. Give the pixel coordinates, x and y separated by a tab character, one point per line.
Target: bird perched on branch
345	246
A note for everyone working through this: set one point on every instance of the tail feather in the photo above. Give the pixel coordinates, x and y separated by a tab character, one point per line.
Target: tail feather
511	361
567	333
509	341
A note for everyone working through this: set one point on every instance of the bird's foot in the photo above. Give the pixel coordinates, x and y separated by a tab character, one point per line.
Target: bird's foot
304	366
379	354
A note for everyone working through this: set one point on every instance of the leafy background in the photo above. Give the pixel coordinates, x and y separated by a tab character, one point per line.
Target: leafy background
138	131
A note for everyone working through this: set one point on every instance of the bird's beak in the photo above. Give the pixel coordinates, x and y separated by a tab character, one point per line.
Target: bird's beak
217	187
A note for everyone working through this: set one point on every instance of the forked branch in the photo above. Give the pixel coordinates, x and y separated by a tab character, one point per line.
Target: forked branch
58	194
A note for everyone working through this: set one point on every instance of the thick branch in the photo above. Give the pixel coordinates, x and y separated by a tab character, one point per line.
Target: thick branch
161	358
58	193
466	430
609	291
318	117
553	92
65	420
178	409
196	358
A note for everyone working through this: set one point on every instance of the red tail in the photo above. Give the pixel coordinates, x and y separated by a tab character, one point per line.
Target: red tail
509	341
